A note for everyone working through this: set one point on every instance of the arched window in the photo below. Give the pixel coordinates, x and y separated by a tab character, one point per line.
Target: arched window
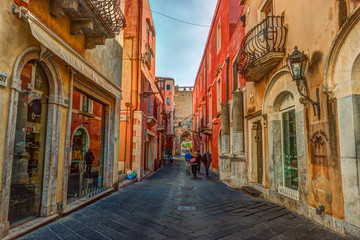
168	101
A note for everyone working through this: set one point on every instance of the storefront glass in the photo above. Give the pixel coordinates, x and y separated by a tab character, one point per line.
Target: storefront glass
86	159
289	150
29	147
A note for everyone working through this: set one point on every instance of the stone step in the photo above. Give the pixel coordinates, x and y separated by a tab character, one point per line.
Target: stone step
126	183
122	177
251	191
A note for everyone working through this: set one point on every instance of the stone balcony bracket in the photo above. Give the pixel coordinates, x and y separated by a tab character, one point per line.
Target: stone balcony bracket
96	19
151	120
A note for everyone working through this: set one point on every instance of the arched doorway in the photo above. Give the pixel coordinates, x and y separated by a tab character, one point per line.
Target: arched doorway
286	138
342	84
78	166
186	143
29	145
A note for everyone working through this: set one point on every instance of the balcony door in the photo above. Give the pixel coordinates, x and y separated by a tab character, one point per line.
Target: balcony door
269	29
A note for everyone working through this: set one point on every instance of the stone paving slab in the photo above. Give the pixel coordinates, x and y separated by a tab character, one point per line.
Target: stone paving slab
150	210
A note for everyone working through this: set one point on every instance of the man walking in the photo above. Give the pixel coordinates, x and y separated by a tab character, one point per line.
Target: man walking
188	156
207	162
89	158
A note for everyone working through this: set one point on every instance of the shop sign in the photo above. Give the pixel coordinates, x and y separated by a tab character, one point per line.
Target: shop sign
3	79
319	144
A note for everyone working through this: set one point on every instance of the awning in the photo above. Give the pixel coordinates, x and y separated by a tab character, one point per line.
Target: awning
60	48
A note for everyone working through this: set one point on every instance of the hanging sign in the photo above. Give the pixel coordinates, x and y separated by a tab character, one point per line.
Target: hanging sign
3	79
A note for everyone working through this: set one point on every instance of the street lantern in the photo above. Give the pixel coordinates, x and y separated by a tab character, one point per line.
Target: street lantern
161	83
296	63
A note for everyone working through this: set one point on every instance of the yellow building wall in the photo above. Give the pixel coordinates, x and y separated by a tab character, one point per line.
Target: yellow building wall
313	31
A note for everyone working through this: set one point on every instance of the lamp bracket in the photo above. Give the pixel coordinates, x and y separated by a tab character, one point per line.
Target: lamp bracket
315	104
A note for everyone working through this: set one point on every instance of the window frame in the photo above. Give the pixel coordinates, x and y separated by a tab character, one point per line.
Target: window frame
286	110
218	94
218	36
234	71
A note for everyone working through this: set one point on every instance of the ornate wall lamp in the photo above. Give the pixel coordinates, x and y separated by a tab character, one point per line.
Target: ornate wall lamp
160	84
147	94
297	64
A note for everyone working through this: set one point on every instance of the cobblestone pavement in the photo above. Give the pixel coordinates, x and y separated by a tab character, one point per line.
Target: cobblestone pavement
151	210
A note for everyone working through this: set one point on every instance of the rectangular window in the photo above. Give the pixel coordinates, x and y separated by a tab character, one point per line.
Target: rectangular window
87	155
235	75
168	87
289	150
218	94
218	36
210	108
86	104
209	59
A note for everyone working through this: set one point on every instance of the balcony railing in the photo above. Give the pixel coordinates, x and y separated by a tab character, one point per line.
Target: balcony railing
262	48
96	19
110	11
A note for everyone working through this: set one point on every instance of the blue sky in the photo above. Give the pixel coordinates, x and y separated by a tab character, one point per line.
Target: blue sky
179	47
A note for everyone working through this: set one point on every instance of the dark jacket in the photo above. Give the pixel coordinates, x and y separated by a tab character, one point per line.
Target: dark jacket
207	158
89	157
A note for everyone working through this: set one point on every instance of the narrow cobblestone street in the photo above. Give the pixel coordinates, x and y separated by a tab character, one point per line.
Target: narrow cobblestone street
151	209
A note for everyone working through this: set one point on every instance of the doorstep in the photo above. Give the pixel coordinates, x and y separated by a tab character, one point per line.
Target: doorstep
251	191
29	226
71	207
126	183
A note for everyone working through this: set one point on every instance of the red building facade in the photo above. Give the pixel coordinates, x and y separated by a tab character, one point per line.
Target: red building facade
217	78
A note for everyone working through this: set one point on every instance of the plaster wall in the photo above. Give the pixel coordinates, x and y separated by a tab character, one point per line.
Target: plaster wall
17	38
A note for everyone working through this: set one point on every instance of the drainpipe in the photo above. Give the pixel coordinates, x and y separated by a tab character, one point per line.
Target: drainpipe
138	78
130	105
68	135
205	108
227	59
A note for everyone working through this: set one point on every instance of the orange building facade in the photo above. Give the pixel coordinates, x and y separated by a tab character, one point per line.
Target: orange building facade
216	80
142	121
289	134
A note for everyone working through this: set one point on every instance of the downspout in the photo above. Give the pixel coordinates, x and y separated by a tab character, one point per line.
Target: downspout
130	105
138	82
205	108
68	135
227	59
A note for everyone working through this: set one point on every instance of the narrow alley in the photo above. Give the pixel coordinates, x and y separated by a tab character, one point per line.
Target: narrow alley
170	205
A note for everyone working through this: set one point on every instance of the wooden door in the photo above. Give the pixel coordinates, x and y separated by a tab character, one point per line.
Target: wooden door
259	153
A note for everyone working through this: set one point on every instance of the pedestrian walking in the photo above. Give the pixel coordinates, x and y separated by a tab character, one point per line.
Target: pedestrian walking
89	158
195	162
199	166
207	162
188	156
171	158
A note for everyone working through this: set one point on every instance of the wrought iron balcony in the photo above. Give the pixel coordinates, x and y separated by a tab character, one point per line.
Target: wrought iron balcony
110	11
262	48
96	19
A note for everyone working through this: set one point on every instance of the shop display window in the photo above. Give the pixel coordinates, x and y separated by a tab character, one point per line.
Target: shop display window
29	146
289	150
86	163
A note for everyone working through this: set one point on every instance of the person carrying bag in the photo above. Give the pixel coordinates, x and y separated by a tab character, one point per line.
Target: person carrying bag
194	161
